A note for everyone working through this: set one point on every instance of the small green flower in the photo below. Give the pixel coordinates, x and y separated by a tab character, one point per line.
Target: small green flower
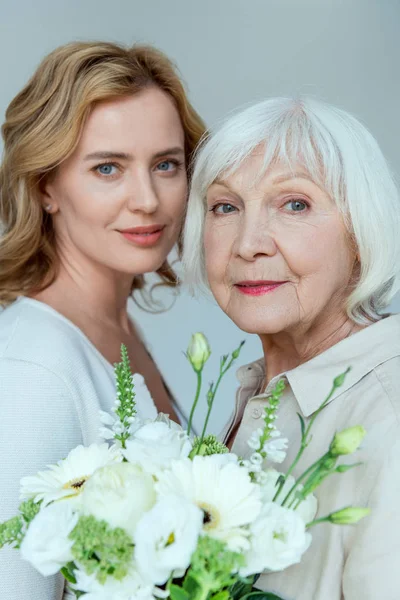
210	445
198	351
101	549
349	515
347	441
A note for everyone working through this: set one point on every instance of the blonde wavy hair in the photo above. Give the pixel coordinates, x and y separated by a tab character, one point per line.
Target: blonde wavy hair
42	129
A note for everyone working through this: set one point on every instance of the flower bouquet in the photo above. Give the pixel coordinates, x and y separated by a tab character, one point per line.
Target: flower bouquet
154	512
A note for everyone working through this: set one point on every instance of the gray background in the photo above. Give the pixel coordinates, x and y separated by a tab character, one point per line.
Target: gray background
230	53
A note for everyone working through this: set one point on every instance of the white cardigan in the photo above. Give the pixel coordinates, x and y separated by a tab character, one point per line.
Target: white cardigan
53	382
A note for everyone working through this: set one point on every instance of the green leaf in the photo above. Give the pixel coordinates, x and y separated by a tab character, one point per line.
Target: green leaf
241	588
261	596
190	585
177	593
67	572
224	595
302	424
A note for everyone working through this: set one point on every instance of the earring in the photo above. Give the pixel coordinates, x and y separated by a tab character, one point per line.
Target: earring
48	207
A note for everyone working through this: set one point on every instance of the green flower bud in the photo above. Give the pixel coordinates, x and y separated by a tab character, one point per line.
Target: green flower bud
198	351
347	441
349	515
235	353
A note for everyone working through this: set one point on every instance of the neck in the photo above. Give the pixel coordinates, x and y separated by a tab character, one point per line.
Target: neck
97	292
287	350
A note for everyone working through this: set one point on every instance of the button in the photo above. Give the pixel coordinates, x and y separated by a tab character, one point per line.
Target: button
256	413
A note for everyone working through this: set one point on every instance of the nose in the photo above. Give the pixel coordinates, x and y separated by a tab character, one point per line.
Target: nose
255	239
142	195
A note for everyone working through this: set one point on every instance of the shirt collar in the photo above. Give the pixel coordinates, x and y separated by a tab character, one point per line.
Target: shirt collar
312	381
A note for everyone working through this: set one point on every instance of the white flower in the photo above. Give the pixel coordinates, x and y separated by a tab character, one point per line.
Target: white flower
119	494
155	444
111	425
132	587
46	544
166	538
275	447
268	482
225	493
278	540
68	477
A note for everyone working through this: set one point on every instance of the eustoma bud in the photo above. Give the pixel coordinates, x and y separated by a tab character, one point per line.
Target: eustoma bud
198	351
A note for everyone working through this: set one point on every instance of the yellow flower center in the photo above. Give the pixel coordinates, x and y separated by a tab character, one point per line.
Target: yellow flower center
76	485
211	517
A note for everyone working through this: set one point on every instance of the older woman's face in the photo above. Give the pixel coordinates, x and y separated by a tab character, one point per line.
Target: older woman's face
278	255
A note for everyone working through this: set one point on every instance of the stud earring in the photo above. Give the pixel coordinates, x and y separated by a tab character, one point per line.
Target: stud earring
48	207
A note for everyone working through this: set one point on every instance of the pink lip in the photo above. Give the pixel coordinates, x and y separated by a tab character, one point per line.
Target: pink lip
257	288
143	236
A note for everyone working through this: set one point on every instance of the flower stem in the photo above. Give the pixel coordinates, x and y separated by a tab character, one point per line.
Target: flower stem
196	399
338	381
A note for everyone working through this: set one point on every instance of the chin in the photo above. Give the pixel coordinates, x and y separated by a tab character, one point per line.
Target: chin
258	326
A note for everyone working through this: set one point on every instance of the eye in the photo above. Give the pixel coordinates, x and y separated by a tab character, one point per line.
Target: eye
168	165
106	169
296	205
223	209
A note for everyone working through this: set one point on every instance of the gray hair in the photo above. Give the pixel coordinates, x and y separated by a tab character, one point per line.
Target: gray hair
341	155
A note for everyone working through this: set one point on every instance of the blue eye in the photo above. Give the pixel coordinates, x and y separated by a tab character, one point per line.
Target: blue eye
106	169
223	209
296	205
166	165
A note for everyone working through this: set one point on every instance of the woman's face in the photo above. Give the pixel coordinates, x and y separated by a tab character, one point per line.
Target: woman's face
278	256
118	201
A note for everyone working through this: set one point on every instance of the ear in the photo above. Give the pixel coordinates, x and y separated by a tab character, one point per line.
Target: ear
48	195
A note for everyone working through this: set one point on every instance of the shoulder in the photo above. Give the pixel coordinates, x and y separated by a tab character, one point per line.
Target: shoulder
388	377
37	335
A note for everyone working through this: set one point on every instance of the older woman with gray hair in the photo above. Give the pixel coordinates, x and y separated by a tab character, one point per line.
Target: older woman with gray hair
294	224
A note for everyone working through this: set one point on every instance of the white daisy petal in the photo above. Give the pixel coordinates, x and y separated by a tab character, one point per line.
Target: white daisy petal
68	476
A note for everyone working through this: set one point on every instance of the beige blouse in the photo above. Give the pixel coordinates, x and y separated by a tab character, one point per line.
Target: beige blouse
360	562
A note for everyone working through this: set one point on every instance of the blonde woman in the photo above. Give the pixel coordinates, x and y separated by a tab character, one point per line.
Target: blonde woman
293	223
93	188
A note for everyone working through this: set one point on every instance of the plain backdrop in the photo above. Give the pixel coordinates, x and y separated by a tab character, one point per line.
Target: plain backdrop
230	53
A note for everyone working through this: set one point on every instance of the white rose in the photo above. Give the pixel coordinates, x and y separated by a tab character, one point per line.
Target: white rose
131	587
306	510
119	494
156	444
166	538
46	544
278	540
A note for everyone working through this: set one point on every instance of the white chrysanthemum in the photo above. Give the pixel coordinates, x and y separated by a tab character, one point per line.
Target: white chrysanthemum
166	537
119	494
268	482
111	425
67	478
156	444
46	544
224	492
278	540
132	587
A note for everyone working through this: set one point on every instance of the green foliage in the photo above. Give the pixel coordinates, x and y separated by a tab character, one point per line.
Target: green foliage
101	549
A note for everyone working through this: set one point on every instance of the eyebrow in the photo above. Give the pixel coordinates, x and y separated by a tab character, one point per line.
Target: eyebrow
290	175
107	155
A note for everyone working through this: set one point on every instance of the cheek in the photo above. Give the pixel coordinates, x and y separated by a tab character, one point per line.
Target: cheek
217	252
320	252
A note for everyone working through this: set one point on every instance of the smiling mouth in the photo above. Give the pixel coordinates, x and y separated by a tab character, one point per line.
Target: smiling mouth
258	288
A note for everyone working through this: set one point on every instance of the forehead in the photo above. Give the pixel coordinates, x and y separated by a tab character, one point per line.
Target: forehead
148	120
254	173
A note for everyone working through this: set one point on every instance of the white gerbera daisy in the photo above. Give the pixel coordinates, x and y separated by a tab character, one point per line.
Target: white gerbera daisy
67	478
224	492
